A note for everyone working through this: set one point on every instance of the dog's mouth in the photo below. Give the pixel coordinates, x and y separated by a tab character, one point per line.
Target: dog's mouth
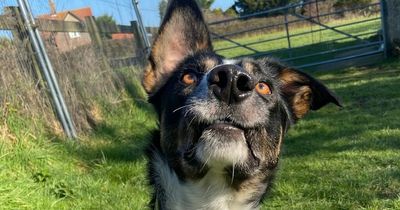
227	125
223	142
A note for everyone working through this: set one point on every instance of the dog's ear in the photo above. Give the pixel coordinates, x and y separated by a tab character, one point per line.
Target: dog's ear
182	32
303	92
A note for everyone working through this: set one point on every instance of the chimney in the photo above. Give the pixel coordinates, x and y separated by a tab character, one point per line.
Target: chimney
52	7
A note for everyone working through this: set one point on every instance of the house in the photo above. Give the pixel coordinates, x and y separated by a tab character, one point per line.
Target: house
66	41
121	36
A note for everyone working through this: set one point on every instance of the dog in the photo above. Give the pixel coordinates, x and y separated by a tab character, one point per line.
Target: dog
221	121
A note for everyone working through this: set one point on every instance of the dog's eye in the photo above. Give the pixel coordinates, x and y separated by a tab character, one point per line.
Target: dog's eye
189	79
263	88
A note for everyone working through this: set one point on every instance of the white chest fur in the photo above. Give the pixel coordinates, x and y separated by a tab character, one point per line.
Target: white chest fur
212	192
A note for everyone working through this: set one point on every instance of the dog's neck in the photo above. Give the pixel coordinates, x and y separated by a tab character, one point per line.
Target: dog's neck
210	192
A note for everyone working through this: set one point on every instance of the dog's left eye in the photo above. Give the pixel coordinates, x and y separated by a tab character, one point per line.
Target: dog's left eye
189	79
263	88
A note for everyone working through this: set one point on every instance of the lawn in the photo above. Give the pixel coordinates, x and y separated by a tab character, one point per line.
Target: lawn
333	159
317	41
348	158
103	170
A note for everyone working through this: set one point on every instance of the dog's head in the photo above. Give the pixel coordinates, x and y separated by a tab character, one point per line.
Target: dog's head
219	114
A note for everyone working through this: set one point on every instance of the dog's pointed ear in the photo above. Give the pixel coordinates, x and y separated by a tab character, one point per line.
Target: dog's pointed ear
182	32
303	93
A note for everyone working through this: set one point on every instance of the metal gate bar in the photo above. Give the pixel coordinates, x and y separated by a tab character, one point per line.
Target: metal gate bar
334	50
359	43
290	22
236	43
302	17
341	59
302	33
47	69
296	48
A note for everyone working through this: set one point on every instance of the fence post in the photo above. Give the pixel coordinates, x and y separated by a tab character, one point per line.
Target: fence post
21	38
288	33
391	27
139	42
94	32
146	41
47	69
95	35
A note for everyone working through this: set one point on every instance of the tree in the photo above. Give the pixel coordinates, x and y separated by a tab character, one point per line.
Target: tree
106	21
205	4
162	8
231	11
245	7
342	4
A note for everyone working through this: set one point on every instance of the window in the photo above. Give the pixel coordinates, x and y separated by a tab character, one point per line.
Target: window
74	35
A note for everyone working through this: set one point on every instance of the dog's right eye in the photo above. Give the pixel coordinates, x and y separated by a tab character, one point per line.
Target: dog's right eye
189	79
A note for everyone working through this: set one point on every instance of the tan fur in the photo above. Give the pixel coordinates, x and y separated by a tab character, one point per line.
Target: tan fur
301	101
149	79
249	67
209	63
278	148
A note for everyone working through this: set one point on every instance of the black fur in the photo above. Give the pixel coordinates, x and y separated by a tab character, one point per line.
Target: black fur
189	113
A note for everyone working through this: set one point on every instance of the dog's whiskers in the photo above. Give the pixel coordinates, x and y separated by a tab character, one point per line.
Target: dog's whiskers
233	172
182	107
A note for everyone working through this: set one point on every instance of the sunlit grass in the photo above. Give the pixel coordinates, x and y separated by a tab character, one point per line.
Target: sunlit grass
348	158
313	42
333	159
103	170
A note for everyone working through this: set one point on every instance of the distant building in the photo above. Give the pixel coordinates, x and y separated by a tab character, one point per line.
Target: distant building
120	36
66	41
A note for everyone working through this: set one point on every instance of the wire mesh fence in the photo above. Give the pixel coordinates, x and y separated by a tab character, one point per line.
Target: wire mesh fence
92	47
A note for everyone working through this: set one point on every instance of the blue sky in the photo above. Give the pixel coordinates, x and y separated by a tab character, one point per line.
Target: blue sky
121	10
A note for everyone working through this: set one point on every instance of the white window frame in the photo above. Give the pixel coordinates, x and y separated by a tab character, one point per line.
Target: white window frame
74	35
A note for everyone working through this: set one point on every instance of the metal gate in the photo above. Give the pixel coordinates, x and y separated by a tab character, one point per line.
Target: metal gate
306	34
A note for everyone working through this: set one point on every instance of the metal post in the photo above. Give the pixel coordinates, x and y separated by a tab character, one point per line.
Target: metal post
384	23
288	34
139	42
141	26
47	69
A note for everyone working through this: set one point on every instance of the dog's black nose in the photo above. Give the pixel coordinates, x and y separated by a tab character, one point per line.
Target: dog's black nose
230	83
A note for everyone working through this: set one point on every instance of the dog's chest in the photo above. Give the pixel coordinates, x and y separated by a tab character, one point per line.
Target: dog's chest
211	192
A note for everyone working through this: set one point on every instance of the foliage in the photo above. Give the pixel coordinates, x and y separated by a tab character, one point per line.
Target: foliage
205	4
106	21
342	4
5	42
245	7
162	8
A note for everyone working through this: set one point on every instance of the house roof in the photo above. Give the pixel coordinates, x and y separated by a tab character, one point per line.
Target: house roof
78	13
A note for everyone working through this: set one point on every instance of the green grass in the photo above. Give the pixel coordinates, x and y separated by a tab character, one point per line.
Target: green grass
333	159
105	170
313	42
346	159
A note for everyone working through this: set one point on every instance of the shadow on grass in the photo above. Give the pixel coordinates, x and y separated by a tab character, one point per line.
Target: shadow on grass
125	132
326	46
